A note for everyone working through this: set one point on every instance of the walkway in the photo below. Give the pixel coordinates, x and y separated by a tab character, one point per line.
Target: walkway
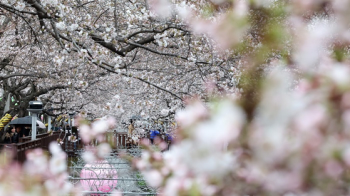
129	182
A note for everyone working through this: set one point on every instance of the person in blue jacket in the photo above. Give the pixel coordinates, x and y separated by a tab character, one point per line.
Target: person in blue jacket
153	134
170	139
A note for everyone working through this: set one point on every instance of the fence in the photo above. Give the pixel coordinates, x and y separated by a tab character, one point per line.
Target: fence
29	138
123	141
19	149
72	148
118	140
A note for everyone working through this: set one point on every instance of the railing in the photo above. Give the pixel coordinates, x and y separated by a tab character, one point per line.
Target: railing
29	138
122	139
69	146
19	149
45	141
117	140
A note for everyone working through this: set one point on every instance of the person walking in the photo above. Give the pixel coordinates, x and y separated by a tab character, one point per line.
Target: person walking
153	135
169	139
131	128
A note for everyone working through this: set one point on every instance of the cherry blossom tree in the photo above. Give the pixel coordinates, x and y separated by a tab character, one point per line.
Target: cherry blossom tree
280	129
159	58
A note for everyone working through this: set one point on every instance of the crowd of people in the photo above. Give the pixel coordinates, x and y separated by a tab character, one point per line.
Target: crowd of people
12	134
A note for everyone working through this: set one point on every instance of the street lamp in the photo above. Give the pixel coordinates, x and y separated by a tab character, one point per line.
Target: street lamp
166	123
35	108
71	114
49	119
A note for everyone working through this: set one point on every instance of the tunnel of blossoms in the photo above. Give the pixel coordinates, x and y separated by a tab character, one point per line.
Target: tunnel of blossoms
205	97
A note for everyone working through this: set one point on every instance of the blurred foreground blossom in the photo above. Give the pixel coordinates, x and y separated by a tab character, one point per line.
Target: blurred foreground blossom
287	133
94	136
39	175
294	143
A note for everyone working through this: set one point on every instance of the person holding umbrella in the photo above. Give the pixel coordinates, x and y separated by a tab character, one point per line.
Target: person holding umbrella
14	135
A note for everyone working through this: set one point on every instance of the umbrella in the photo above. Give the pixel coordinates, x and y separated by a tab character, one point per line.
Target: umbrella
40	124
27	121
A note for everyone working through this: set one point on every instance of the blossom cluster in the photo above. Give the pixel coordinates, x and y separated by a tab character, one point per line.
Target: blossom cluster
296	143
39	175
287	130
94	137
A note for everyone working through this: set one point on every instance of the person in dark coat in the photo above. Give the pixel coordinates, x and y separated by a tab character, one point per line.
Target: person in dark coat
14	135
26	131
7	136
